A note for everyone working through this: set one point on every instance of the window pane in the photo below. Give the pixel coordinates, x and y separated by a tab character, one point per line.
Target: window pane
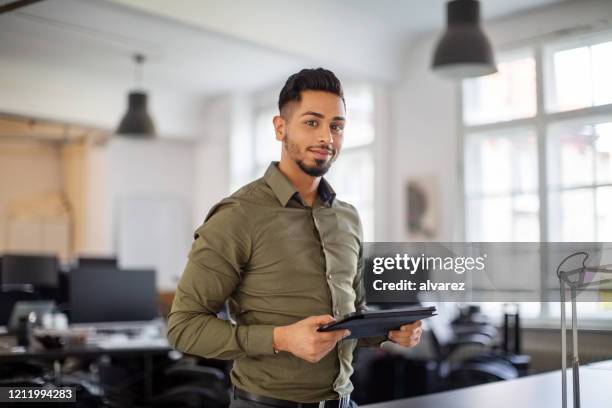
603	150
505	218
501	162
508	94
604	214
570	155
572	79
579	153
602	67
572	215
578	74
359	128
352	177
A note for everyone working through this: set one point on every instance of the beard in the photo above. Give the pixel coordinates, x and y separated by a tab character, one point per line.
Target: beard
320	166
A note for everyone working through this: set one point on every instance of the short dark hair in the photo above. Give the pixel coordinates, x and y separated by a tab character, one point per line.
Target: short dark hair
312	79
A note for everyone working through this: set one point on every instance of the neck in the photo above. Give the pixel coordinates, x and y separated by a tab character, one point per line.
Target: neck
306	185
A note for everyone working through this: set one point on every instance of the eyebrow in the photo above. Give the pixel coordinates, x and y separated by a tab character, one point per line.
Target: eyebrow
321	116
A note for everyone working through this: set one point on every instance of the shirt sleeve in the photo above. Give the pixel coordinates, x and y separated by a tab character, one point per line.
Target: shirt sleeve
214	269
360	302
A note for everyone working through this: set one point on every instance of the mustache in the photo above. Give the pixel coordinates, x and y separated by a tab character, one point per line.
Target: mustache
323	147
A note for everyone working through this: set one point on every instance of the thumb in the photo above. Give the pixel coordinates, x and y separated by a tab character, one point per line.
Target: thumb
320	320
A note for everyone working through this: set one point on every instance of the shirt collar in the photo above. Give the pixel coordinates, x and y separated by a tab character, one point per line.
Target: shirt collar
284	190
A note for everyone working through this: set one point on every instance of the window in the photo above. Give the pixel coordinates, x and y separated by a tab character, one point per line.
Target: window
502	186
352	175
545	117
506	95
578	73
580	178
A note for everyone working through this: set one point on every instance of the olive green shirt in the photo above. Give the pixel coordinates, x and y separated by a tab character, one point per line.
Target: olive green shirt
276	261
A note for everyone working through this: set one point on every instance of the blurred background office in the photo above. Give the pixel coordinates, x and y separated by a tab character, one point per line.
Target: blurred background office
98	205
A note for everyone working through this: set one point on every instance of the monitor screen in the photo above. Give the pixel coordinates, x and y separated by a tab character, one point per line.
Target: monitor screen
112	295
88	262
40	271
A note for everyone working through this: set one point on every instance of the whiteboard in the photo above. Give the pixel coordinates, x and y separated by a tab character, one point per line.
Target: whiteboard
154	232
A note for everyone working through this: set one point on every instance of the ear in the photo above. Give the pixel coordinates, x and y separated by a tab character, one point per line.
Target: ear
279	127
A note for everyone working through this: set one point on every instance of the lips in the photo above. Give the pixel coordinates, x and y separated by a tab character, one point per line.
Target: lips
321	153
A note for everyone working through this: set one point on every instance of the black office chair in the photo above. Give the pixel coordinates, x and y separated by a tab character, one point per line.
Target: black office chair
482	365
191	385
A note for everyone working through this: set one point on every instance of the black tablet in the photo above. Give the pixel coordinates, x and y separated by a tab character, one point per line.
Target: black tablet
378	322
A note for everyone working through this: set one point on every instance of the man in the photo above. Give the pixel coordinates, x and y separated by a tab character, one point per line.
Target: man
286	255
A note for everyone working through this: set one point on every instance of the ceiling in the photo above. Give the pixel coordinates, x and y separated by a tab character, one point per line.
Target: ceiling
409	16
213	46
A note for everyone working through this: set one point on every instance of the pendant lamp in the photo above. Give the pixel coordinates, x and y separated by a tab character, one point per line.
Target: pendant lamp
463	51
136	122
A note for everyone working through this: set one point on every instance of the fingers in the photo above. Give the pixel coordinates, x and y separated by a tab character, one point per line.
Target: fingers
406	341
413	325
398	334
321	320
404	334
407	335
334	336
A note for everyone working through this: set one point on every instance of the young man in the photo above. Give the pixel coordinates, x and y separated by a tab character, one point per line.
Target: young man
286	254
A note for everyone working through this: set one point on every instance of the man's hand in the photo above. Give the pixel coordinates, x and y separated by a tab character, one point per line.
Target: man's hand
304	341
408	335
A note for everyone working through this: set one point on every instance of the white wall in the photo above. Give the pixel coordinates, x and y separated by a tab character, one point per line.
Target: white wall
146	198
425	111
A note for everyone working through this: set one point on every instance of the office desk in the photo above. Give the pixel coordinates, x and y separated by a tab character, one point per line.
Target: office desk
536	391
87	351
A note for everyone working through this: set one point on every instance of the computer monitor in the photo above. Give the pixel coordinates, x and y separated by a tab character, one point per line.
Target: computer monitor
112	295
90	262
29	271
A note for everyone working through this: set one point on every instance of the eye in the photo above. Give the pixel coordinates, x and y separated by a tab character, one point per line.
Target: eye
338	128
311	123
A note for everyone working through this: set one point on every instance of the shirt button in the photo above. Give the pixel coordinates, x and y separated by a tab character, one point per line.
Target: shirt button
337	311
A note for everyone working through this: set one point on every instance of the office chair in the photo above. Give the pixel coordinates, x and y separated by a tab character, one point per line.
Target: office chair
482	365
190	385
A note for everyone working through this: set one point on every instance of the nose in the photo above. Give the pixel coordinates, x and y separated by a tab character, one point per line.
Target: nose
326	137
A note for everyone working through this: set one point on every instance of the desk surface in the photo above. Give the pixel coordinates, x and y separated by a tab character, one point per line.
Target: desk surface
134	347
81	351
536	391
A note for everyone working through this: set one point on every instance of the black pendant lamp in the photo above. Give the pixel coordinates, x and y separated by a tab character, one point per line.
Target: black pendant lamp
464	50
136	122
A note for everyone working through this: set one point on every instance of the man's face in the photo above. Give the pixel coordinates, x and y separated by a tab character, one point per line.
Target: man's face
311	131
